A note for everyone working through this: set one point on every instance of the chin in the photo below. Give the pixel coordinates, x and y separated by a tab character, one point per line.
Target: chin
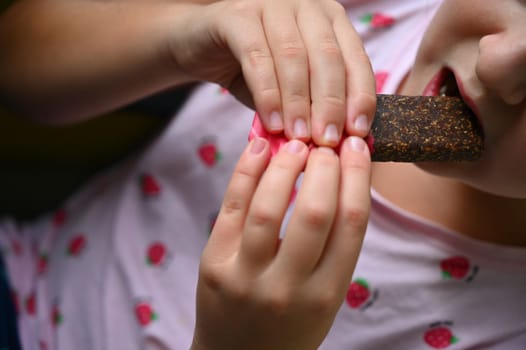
475	176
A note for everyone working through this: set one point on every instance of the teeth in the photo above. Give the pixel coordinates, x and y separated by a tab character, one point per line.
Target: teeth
443	90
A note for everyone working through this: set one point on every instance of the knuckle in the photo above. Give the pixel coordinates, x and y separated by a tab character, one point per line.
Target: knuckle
279	301
324	301
298	97
355	217
262	215
211	275
330	47
269	96
257	56
217	278
334	102
240	292
365	99
232	205
368	98
292	49
315	215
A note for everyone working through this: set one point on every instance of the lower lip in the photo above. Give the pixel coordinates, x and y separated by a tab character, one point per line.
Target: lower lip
467	99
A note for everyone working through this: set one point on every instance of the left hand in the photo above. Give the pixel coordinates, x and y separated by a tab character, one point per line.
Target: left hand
256	293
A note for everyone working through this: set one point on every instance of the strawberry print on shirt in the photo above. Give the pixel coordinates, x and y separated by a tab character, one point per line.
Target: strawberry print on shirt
377	20
458	268
157	254
145	313
149	185
76	245
208	152
440	336
42	263
360	295
380	78
30	304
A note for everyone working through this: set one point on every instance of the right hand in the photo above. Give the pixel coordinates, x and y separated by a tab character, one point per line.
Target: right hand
255	292
298	61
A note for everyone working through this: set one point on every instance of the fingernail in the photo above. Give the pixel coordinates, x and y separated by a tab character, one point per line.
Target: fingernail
355	144
300	128
361	123
331	134
295	146
275	121
258	145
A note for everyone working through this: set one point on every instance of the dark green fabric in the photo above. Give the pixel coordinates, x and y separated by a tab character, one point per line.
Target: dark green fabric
8	323
4	4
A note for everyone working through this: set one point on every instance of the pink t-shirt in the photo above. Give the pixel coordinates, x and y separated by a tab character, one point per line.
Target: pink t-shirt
117	265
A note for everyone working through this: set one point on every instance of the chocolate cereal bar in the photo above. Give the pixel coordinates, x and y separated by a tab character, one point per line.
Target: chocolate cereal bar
424	128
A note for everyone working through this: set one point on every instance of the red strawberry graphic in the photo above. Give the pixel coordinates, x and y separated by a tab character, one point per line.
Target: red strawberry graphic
76	245
16	247
378	20
31	304
149	185
381	20
42	344
455	267
223	91
59	218
380	77
156	254
145	314
42	263
358	293
440	337
209	154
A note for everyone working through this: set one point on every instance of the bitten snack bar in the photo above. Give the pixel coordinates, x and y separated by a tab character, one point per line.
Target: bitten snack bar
413	129
424	128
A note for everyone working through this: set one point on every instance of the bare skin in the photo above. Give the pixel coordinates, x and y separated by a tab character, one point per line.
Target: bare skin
484	199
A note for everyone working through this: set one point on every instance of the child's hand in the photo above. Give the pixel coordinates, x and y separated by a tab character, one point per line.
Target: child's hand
257	293
300	63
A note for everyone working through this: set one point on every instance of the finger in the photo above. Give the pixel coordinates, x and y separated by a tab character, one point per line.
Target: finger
291	65
340	256
269	205
227	231
243	32
361	93
327	76
313	215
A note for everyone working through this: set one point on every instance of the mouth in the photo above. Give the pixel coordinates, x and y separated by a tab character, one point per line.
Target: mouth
445	83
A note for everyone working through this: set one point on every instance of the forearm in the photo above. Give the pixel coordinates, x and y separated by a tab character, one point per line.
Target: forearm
63	61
